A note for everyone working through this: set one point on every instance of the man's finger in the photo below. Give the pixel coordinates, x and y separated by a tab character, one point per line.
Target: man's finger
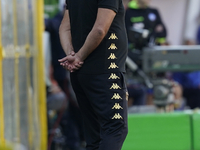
63	64
75	68
68	67
63	59
78	65
65	67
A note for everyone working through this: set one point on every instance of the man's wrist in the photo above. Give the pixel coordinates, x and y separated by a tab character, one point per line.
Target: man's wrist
78	54
70	52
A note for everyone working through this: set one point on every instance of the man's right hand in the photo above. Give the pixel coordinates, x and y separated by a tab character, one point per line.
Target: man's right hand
71	62
72	53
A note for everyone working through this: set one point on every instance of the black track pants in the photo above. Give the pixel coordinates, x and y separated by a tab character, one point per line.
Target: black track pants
103	104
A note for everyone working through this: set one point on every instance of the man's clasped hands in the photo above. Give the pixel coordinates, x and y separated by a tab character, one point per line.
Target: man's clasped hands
71	62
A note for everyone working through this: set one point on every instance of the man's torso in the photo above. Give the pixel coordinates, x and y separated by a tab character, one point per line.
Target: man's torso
111	54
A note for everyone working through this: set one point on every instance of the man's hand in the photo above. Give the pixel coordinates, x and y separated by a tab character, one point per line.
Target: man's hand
71	62
72	53
64	60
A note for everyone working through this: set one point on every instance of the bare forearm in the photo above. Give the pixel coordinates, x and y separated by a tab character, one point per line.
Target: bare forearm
92	41
65	34
65	39
98	32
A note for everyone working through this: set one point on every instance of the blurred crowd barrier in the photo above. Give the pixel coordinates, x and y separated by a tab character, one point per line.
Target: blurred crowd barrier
164	131
22	84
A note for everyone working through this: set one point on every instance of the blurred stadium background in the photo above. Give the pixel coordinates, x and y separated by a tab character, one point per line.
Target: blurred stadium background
23	114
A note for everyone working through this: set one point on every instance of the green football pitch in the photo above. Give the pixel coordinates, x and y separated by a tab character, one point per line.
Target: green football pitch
167	131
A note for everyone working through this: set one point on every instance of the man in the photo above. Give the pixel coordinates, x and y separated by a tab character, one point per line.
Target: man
93	32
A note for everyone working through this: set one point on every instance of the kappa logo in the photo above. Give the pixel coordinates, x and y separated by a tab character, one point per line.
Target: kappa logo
113	76
113	36
113	66
117	106
112	46
127	96
115	86
112	56
117	116
116	96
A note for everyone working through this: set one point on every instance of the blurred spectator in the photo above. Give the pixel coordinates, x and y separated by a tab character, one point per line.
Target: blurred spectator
190	82
71	122
56	98
189	42
179	100
137	94
140	16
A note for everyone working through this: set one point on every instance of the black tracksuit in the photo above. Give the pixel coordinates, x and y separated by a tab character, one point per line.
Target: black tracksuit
99	84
